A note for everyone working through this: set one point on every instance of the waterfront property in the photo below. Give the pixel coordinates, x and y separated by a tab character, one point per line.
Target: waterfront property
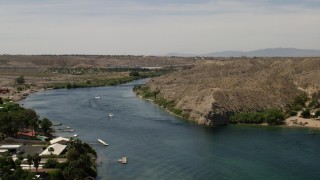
56	149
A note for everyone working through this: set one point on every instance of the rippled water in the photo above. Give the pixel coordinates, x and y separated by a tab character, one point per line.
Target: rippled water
161	146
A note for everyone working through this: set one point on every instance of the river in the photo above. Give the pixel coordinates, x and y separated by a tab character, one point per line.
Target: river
161	146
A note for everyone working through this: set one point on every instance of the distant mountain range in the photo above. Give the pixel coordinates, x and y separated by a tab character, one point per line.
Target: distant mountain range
270	52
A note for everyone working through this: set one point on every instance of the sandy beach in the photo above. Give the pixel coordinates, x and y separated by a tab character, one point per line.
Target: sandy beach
298	121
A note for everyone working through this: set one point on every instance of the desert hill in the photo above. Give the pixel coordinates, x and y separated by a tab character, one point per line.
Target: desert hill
214	89
49	61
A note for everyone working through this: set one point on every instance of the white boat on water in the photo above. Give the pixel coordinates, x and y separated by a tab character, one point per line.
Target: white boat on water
97	97
102	142
75	135
110	115
67	130
123	160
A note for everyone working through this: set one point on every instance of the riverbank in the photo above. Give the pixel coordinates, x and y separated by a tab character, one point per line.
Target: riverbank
145	93
296	121
14	91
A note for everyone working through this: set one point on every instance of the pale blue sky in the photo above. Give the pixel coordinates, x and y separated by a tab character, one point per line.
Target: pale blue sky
156	27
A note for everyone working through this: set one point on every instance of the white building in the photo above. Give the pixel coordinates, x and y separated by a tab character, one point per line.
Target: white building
12	147
57	149
60	140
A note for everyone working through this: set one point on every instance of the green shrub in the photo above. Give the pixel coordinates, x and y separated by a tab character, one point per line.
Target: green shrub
134	74
20	80
293	113
274	116
306	113
297	107
271	116
176	111
51	163
301	99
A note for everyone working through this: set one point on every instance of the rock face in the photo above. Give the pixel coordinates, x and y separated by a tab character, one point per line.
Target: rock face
214	89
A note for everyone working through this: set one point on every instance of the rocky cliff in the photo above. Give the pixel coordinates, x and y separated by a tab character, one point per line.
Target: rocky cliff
214	89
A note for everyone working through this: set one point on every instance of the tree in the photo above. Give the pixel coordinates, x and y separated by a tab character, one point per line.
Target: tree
29	160
20	80
29	116
51	163
306	113
1	101
6	125
36	161
6	164
46	124
34	124
73	155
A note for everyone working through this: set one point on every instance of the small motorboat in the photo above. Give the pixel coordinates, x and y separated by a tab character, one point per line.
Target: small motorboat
75	135
110	115
102	142
123	160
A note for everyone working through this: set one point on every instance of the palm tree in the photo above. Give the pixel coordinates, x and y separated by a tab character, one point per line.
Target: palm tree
51	149
36	161
29	159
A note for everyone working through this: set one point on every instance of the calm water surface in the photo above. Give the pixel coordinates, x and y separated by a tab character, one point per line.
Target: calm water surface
161	146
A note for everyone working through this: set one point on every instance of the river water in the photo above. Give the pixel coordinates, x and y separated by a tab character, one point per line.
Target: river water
161	146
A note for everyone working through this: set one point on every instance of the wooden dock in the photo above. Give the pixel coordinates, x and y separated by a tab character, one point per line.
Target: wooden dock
102	142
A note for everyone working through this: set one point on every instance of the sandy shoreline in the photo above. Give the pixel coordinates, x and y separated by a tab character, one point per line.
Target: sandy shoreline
18	96
297	121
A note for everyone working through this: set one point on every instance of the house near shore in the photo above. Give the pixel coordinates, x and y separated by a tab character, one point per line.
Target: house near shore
27	134
57	149
60	140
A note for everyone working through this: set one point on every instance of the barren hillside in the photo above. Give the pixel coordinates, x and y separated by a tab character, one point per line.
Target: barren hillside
91	61
214	89
47	70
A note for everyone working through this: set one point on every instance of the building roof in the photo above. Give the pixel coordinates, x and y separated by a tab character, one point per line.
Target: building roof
58	139
28	133
10	146
58	148
3	150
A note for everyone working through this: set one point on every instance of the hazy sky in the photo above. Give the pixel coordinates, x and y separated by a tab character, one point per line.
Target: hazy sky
156	27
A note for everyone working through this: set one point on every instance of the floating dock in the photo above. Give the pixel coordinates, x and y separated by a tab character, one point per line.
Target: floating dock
102	142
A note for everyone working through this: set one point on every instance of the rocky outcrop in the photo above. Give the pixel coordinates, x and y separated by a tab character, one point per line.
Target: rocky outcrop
214	89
